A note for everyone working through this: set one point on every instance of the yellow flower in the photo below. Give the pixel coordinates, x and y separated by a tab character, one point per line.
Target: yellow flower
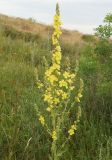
49	108
64	95
72	76
52	79
57	31
56	101
39	85
56	57
71	132
63	83
56	17
54	135
58	92
69	81
42	120
48	73
58	85
79	95
66	74
54	40
58	48
74	127
48	98
56	66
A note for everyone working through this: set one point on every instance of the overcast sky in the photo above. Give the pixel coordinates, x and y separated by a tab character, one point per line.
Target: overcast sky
82	15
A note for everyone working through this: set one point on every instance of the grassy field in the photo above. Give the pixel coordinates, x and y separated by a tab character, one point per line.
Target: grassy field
22	49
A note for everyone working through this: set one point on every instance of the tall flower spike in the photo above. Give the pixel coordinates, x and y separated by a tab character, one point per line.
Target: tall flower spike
54	71
57	89
56	26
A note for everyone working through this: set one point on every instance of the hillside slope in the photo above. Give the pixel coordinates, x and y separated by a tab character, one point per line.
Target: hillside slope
29	25
25	52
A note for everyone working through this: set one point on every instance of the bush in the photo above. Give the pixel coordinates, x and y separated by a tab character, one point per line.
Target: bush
104	48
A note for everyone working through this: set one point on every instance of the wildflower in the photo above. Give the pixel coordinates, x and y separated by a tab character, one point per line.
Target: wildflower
56	101
79	95
52	79
56	25
48	73
71	132
57	89
74	127
69	81
63	83
39	85
66	74
42	120
48	98
58	48
57	92
48	109
54	41
56	57
64	95
72	75
54	135
56	66
72	87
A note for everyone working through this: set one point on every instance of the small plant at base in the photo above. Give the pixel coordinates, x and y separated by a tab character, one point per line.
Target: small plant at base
58	89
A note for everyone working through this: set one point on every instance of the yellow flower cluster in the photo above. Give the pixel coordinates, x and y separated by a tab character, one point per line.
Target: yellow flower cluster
56	25
54	135
62	94
63	83
42	120
58	86
73	127
39	85
52	75
72	130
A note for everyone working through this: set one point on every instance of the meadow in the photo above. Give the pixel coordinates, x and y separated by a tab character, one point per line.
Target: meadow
24	49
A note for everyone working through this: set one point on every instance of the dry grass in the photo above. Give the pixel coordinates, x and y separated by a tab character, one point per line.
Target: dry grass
27	25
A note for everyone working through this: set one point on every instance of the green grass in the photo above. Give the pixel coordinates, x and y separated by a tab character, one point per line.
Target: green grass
21	135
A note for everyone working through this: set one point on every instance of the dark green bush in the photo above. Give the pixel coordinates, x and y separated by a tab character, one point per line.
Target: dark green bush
104	48
88	38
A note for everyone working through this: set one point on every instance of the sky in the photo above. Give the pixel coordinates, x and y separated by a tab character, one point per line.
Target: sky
81	15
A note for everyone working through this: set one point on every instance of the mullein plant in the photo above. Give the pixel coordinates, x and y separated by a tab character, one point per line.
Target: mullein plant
60	97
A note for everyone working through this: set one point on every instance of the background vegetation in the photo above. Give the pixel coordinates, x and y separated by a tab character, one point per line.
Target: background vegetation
24	48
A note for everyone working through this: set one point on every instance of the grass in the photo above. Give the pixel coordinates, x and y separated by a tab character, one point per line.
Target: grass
30	26
21	136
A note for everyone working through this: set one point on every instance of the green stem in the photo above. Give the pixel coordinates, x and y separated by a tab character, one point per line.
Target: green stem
54	145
